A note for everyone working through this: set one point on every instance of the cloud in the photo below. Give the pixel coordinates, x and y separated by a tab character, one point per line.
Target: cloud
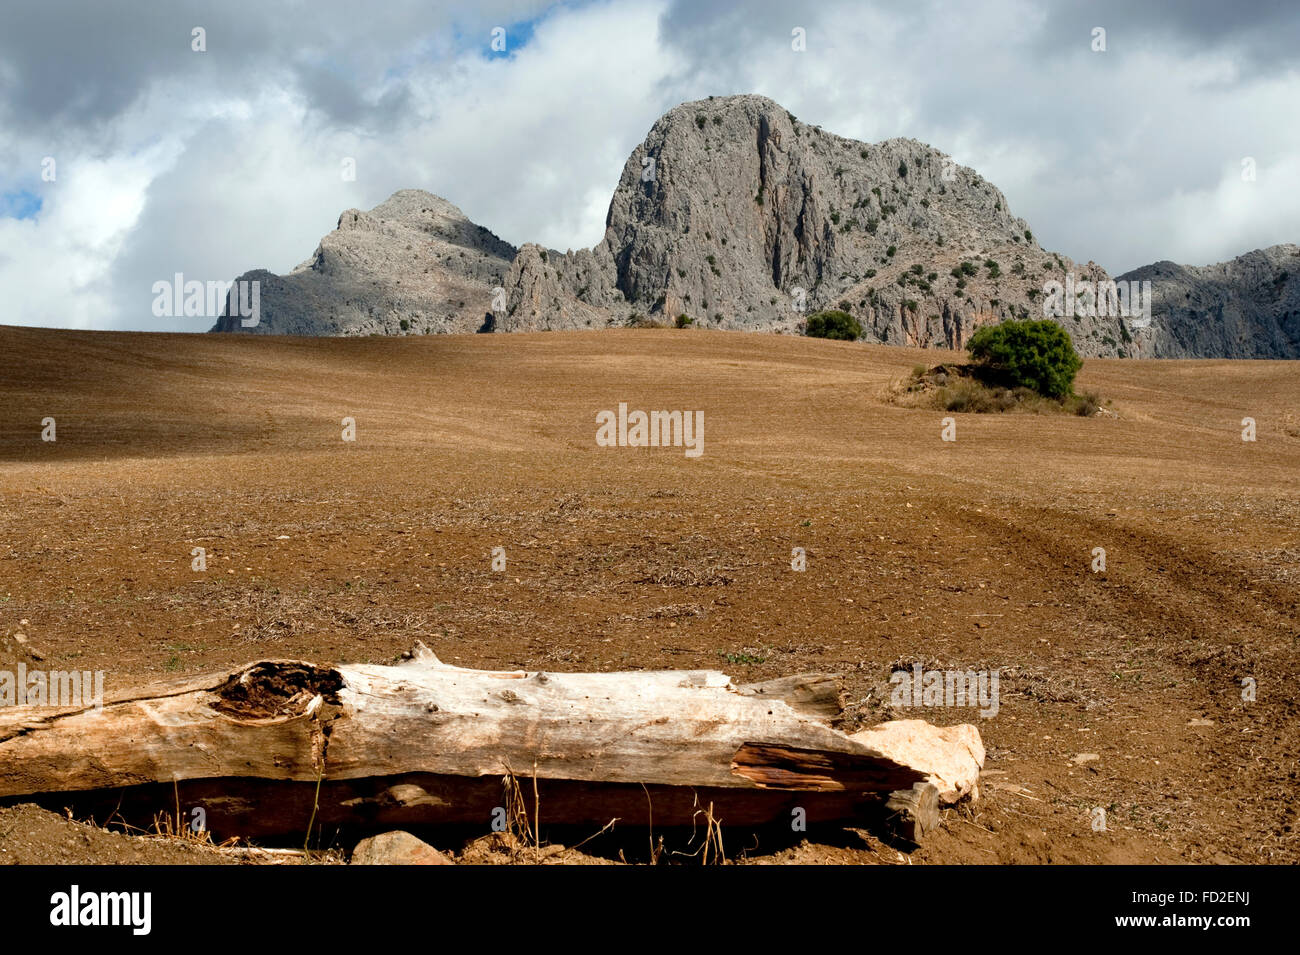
56	268
217	162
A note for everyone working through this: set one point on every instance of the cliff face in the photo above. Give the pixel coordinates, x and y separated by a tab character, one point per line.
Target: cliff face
1246	308
737	215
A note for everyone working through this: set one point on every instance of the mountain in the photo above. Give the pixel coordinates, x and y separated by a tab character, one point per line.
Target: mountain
414	264
737	215
1246	308
733	212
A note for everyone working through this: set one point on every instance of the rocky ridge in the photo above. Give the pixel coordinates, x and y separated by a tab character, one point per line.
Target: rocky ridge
733	214
1246	308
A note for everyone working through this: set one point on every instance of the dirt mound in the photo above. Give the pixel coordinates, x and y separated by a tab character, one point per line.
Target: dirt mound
30	835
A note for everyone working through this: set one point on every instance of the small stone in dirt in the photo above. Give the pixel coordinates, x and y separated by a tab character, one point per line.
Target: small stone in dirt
397	848
1200	722
1082	758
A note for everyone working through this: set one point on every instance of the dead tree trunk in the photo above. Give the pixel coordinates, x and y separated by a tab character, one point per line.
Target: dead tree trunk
266	746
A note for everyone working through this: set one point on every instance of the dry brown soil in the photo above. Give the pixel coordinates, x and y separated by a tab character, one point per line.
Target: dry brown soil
973	554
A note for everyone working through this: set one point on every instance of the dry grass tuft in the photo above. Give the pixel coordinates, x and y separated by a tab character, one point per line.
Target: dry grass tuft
958	388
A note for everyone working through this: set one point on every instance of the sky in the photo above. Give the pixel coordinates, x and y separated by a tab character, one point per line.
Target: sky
127	154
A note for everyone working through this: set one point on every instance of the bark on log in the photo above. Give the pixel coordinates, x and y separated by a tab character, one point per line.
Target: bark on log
263	746
913	812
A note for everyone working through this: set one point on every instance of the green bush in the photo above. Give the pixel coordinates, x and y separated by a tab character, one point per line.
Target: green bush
834	324
684	321
1029	354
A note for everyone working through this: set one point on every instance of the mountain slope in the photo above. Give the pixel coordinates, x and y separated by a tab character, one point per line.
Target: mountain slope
1246	308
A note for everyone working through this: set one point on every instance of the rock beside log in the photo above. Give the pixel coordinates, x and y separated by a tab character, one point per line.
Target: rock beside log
397	848
951	757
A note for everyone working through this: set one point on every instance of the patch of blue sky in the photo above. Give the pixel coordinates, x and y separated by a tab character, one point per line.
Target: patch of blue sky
20	204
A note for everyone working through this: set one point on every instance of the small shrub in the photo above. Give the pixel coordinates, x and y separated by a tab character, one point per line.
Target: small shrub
834	324
1085	405
972	397
684	321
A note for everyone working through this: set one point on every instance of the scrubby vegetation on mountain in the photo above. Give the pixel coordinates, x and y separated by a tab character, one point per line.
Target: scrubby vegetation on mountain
834	324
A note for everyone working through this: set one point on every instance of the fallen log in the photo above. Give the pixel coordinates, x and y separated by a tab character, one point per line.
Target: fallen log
911	813
269	746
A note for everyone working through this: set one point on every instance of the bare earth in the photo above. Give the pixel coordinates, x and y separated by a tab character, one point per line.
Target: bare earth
973	554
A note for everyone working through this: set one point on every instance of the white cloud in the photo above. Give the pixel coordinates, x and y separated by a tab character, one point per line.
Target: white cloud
56	268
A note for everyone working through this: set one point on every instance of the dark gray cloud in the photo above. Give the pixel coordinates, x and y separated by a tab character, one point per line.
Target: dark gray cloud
1262	36
81	63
